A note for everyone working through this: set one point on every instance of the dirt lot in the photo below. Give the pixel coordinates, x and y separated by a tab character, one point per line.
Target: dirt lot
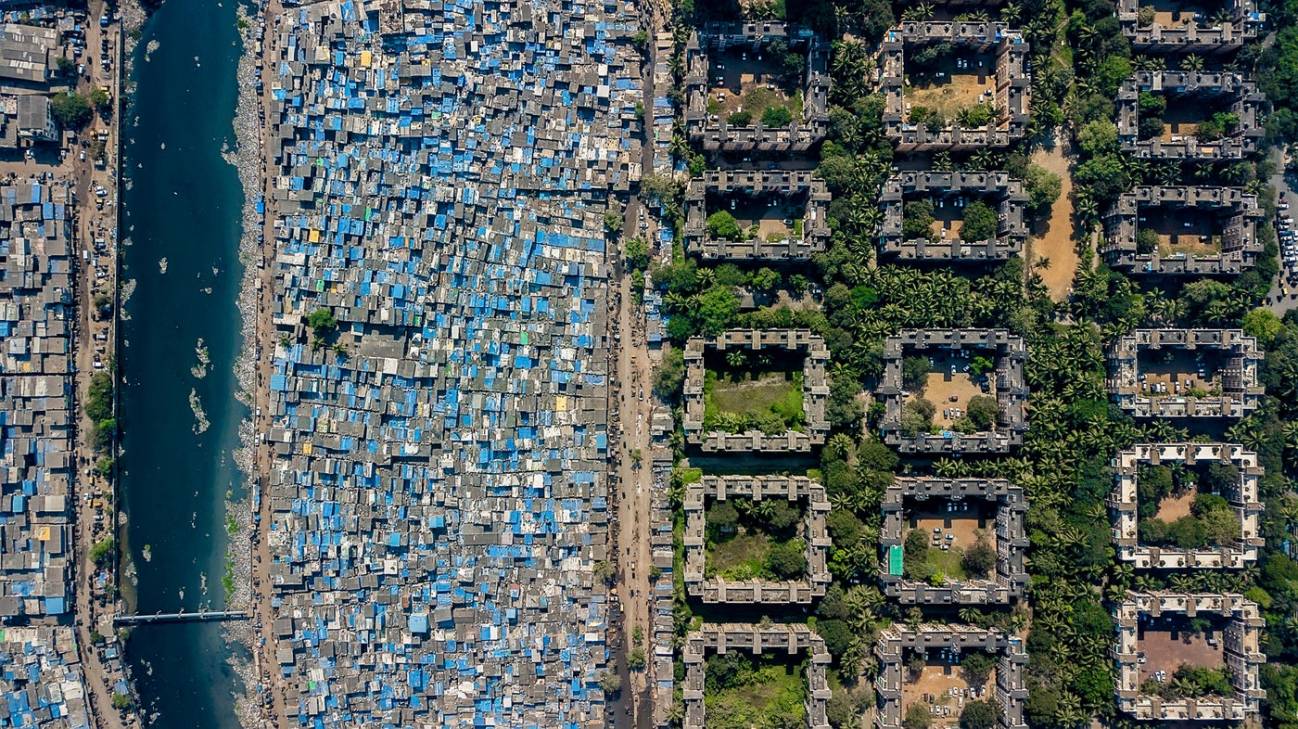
1180	373
1176	506
949	88
965	526
934	687
950	392
746	83
1183	231
948	220
1185	113
1053	240
1164	652
1171	13
769	218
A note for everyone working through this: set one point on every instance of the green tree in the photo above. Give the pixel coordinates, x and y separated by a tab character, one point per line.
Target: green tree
917	417
610	683
917	717
980	222
777	116
982	411
101	553
979	715
741	118
914	372
99	397
915	555
635	660
722	521
783	517
1146	240
322	322
977	666
787	560
71	110
670	375
1264	325
637	254
612	223
1043	188
917	220
102	101
716	308
1098	137
980	559
723	225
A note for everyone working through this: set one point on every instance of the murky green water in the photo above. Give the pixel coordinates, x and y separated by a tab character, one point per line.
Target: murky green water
183	206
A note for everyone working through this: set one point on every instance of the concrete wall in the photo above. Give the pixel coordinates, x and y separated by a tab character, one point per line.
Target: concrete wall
1242	639
796	489
1011	390
1244	499
1241	393
1013	84
1011	541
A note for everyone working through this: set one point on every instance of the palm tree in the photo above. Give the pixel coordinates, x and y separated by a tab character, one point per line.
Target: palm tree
1011	13
1192	62
922	11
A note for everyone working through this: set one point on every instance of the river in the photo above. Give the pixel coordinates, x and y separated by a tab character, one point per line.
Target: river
181	217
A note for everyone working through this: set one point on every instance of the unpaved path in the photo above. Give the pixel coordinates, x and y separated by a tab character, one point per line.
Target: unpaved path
1053	239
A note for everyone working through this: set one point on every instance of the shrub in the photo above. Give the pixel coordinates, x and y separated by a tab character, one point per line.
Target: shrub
740	119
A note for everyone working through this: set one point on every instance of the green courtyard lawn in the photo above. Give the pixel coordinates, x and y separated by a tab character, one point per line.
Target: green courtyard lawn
743	691
770	402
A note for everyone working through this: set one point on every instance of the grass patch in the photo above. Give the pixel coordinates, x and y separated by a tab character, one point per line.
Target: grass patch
744	691
948	563
770	402
754	540
742	557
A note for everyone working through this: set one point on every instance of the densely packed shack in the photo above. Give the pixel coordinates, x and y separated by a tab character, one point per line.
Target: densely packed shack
41	681
438	491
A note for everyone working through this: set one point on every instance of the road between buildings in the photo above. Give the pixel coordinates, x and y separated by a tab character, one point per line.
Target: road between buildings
273	709
94	495
630	426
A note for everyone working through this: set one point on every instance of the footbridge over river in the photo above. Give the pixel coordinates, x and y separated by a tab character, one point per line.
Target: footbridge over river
202	616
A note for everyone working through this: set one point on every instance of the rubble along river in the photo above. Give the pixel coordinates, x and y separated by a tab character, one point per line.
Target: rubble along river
180	341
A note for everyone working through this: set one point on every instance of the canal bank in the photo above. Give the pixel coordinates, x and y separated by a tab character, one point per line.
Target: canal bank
180	338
